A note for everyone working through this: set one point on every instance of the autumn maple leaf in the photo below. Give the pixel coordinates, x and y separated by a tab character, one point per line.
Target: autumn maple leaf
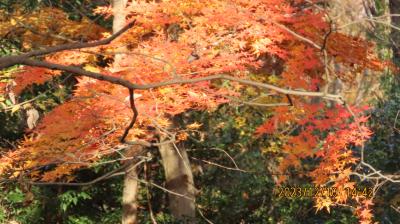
366	214
368	203
323	203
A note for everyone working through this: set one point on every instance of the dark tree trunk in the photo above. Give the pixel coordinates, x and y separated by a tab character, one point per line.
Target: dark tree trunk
394	7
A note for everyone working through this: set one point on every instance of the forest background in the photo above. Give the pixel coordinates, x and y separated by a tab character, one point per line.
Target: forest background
246	98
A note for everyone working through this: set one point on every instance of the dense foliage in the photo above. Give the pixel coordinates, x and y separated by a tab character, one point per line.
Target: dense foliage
249	86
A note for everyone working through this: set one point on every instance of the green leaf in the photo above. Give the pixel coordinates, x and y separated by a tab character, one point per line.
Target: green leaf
15	196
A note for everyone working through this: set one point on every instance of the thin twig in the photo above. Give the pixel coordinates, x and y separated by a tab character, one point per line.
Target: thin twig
257	104
148	196
164	189
202	215
218	165
108	175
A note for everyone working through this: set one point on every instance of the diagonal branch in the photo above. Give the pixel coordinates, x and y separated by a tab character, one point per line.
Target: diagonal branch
305	39
24	59
78	71
8	61
117	172
130	85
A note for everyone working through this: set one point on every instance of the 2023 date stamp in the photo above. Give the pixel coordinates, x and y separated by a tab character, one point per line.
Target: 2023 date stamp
299	192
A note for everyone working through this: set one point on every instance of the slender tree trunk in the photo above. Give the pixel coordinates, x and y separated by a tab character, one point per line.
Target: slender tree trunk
178	174
130	188
179	179
129	195
394	7
119	21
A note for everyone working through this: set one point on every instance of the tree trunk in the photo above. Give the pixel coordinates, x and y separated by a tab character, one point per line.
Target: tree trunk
129	195
394	7
119	21
130	188
179	179
345	13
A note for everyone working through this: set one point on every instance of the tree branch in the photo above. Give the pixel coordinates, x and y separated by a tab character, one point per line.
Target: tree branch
9	61
106	176
135	115
129	85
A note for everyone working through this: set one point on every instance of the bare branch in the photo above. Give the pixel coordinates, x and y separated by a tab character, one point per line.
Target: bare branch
396	209
219	165
148	195
164	189
129	85
257	104
305	39
229	156
78	71
8	61
108	175
135	115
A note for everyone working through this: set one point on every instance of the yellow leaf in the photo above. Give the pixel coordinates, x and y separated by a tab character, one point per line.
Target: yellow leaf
106	34
273	79
240	121
91	68
15	108
165	90
182	136
15	174
194	125
323	203
163	122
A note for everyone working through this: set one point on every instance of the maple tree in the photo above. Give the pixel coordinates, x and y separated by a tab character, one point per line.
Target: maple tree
176	56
